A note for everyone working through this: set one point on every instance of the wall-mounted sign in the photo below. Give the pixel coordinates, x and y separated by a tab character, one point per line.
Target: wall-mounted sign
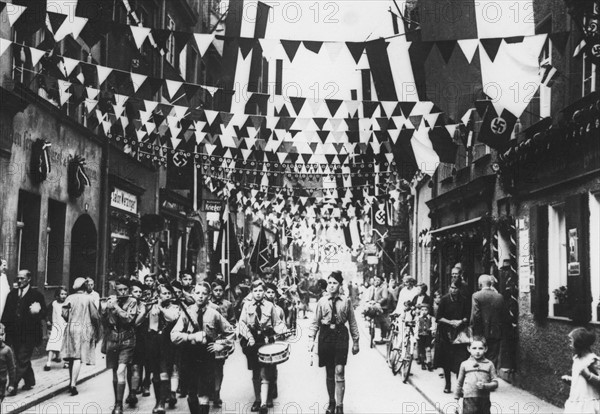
212	206
124	201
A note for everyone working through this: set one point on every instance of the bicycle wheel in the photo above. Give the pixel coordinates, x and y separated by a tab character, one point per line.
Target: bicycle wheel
390	351
372	333
407	363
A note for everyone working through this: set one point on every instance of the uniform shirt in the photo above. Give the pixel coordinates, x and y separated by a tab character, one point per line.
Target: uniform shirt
269	318
213	324
157	321
7	365
471	371
122	316
344	313
225	308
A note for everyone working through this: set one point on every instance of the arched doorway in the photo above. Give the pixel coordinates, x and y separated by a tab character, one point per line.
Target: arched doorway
84	242
195	243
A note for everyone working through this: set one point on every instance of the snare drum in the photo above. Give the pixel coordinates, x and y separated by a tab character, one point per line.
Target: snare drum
225	352
275	353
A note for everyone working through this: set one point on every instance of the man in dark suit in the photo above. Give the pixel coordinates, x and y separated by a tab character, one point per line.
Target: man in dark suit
488	316
23	315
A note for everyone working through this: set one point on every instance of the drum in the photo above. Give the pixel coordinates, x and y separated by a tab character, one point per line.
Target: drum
225	352
275	353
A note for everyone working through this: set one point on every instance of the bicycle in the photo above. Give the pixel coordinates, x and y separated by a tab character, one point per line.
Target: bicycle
393	346
402	344
370	314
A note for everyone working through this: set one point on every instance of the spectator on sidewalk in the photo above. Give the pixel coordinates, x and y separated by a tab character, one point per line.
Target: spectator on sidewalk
90	291
488	317
453	313
25	309
476	378
81	332
379	299
407	294
422	297
7	367
57	326
584	396
425	331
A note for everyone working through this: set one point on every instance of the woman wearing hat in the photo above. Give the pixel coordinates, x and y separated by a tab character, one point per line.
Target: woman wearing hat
331	315
79	342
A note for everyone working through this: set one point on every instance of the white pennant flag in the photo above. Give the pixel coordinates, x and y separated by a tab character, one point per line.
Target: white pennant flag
63	87
140	134
174	126
210	89
70	65
90	104
137	80
210	115
103	73
468	47
150	105
144	116
150	127
173	87
14	11
203	41
64	30
92	93
36	55
77	25
139	35
334	49
180	111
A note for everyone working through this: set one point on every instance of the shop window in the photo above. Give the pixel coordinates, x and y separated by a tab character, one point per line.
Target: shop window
557	260
28	230
55	238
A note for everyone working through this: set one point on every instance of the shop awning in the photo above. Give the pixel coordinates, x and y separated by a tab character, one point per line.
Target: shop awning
454	226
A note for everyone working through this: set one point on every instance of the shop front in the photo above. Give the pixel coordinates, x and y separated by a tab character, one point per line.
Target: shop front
124	246
176	248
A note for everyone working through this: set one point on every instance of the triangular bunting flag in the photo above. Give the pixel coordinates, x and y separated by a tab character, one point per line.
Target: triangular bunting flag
137	80
15	12
139	35
491	46
290	47
356	49
333	49
77	24
446	47
297	104
103	73
36	55
173	87
203	41
4	44
333	105
314	47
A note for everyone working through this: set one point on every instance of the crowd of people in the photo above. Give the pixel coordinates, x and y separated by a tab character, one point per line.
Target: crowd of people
176	335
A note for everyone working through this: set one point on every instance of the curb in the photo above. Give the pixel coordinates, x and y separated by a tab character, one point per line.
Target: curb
53	393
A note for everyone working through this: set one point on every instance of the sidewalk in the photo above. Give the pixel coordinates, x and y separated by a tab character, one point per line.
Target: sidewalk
506	399
50	383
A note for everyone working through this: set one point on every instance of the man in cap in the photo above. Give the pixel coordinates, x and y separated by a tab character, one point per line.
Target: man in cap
331	315
119	314
379	298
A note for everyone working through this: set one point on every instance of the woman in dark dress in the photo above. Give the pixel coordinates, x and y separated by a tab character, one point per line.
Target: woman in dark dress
452	316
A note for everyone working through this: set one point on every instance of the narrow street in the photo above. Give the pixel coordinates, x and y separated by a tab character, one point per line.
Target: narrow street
370	388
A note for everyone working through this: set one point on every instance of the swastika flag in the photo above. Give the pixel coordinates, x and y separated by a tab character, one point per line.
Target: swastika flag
496	129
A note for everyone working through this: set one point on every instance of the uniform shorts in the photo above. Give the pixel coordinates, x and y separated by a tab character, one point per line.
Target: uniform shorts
333	346
119	348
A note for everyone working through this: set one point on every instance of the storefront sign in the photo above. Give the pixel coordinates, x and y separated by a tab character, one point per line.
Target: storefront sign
211	206
398	233
124	201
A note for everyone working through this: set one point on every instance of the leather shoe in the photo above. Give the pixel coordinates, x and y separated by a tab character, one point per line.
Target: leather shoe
255	407
27	387
117	410
263	409
145	392
47	368
330	408
132	400
217	403
339	409
74	391
12	393
270	404
447	390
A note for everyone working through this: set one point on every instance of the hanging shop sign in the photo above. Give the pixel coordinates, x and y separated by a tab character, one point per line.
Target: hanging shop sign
124	201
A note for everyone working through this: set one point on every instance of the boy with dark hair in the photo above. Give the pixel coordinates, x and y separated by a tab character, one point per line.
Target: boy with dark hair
476	378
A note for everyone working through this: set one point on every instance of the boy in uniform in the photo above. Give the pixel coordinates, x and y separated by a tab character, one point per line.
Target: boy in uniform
331	315
119	314
8	370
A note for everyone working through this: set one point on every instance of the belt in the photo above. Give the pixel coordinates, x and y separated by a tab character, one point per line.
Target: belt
334	326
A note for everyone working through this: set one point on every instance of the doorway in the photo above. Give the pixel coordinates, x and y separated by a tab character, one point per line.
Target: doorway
84	250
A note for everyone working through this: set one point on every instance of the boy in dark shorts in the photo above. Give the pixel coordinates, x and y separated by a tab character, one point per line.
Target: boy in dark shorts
331	315
7	366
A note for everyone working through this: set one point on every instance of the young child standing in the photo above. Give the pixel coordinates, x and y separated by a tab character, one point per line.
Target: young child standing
7	366
476	378
425	332
57	327
584	396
